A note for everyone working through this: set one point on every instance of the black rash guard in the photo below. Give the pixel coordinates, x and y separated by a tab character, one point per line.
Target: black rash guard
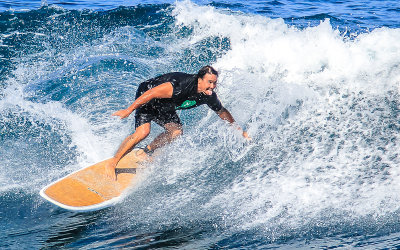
184	96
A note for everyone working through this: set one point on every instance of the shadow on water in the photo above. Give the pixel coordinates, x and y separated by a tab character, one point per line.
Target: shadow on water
107	229
70	228
26	220
112	228
136	238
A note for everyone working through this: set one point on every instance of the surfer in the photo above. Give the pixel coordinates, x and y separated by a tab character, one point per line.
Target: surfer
158	99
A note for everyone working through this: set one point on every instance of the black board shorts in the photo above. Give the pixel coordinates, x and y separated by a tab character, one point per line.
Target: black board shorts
160	115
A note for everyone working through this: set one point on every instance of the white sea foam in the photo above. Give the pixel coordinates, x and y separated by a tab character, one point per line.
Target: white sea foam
89	133
318	104
16	108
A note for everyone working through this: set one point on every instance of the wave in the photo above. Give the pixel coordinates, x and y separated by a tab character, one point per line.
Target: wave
320	105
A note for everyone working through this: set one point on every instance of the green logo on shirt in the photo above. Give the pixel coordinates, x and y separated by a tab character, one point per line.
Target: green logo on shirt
187	104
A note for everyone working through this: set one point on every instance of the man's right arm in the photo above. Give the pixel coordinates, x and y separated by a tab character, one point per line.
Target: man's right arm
163	90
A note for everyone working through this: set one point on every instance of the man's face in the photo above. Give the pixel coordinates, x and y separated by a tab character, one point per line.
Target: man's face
207	84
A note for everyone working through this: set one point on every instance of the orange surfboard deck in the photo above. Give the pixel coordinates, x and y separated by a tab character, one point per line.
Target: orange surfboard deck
90	189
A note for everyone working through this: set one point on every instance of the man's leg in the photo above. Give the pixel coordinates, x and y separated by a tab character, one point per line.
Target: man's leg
131	141
172	131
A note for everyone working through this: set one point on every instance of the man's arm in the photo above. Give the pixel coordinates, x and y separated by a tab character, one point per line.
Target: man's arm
225	115
163	90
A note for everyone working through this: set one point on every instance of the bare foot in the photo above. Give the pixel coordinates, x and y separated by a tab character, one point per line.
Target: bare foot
110	171
141	155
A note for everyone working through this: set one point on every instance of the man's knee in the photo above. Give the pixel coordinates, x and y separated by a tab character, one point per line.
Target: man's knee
176	133
174	130
143	130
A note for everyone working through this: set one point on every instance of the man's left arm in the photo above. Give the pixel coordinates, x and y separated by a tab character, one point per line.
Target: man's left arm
225	115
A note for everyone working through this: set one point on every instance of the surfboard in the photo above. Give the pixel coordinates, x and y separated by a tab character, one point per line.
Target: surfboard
90	189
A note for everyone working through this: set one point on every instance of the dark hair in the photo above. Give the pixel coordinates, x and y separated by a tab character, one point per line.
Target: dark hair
206	70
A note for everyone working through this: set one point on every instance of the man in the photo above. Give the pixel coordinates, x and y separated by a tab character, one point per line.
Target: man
158	99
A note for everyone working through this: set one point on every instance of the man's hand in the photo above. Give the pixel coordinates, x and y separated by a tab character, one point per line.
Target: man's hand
246	136
123	113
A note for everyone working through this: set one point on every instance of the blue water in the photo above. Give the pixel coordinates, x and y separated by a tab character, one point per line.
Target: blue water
315	83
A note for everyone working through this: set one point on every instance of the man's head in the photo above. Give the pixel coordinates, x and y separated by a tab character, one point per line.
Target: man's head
207	80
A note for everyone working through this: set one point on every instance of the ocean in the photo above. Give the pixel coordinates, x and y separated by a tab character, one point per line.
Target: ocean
315	83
